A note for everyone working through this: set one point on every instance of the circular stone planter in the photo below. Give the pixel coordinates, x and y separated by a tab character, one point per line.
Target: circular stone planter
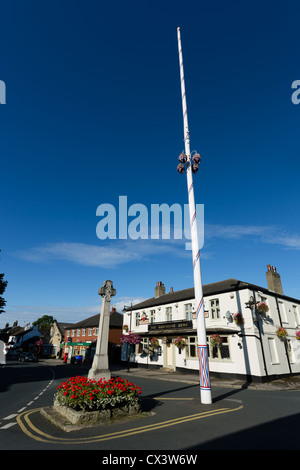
87	418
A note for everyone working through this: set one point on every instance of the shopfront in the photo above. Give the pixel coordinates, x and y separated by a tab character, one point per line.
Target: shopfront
79	352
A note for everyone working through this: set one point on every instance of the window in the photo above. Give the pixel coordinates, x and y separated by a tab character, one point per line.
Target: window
273	351
282	311
97	331
73	333
219	353
214	309
78	332
90	332
168	313
137	319
83	331
152	316
188	311
191	350
290	351
144	346
296	314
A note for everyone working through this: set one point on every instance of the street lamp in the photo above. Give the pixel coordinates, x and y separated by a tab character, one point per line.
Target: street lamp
125	310
252	305
191	164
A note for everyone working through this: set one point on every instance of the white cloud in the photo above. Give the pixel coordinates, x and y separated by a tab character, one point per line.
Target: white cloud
269	234
107	256
117	252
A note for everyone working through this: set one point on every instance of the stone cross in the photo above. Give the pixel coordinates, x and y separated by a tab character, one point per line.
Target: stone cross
100	367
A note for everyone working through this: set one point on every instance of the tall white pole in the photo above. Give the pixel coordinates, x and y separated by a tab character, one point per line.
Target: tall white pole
205	390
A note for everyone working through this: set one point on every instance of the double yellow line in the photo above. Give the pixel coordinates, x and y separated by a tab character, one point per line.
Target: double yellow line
33	432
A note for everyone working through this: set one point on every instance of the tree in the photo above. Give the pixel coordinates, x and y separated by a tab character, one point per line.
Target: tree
44	323
3	285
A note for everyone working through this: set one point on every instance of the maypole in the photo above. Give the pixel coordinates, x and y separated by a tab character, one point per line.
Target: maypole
192	167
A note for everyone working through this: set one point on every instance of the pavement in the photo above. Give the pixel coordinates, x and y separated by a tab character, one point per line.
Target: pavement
285	383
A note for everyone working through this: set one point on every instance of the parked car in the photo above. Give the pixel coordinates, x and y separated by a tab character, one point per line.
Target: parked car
13	355
28	356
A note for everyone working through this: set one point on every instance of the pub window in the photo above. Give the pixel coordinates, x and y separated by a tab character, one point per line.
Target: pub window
168	313
188	311
90	333
192	347
214	309
220	353
83	331
273	351
137	319
290	351
152	316
73	333
296	313
78	332
143	346
282	311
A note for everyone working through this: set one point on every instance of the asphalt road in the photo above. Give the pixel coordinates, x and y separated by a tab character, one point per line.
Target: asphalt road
175	422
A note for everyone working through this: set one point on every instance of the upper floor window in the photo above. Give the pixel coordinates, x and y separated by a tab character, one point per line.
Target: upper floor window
78	332
188	311
152	316
296	314
282	311
90	333
168	313
137	319
83	331
214	309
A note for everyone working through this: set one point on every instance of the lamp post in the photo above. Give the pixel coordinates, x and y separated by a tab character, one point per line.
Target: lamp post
191	164
128	345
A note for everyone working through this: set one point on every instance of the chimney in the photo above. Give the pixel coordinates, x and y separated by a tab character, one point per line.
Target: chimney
273	279
159	289
171	290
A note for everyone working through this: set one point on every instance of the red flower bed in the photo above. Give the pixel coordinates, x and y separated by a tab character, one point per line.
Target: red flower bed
81	393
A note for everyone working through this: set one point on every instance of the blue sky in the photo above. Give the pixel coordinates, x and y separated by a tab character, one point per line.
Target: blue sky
93	112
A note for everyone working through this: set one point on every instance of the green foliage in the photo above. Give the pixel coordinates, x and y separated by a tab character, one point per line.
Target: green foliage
44	323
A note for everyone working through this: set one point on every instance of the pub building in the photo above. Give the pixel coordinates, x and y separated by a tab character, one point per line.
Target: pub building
248	347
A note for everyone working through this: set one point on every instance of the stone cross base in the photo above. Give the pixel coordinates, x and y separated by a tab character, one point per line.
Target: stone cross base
99	368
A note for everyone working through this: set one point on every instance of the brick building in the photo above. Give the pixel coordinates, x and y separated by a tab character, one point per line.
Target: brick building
80	340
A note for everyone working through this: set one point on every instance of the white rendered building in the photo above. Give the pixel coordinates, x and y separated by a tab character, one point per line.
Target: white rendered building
251	350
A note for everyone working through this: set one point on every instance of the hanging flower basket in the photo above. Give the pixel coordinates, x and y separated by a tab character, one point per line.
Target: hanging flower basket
125	328
262	308
179	342
298	335
154	342
132	338
216	341
281	333
238	318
